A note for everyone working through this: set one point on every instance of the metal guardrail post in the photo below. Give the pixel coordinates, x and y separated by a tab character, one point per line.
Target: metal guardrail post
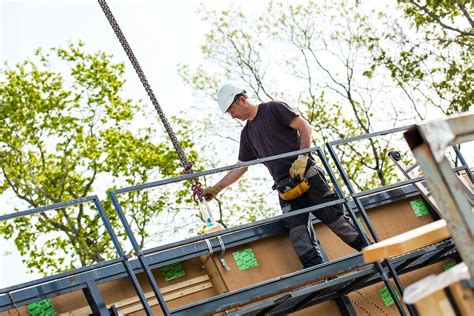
139	254
373	232
126	264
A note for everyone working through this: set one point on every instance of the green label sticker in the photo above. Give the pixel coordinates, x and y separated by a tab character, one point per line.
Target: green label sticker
361	224
386	297
448	265
419	207
245	259
172	271
42	308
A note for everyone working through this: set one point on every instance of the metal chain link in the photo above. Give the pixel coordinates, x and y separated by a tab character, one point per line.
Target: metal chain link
131	56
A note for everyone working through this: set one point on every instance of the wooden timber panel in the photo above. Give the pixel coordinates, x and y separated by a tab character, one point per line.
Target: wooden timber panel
122	289
388	220
276	256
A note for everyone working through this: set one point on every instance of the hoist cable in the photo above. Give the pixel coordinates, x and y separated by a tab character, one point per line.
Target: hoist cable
131	56
196	186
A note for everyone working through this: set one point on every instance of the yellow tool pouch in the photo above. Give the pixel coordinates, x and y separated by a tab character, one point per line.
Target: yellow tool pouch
290	189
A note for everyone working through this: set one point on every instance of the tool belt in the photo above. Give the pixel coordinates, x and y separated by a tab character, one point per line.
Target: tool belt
291	188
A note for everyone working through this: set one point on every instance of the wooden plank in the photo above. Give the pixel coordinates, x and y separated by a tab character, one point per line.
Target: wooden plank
187	291
464	298
164	291
435	304
409	241
186	283
168	297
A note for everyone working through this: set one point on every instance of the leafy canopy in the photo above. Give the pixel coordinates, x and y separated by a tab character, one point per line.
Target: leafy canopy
66	132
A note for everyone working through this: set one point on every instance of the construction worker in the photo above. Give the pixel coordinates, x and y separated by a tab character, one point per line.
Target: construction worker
274	128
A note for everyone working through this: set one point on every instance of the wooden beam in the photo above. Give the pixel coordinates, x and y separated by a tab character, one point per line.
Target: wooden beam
168	297
406	242
436	304
167	292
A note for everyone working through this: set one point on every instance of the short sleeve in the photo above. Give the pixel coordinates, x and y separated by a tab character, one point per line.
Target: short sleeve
283	112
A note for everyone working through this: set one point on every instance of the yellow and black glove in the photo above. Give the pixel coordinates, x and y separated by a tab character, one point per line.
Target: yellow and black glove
298	168
210	192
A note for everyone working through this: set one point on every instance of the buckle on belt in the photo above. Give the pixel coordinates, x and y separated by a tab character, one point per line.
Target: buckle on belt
291	188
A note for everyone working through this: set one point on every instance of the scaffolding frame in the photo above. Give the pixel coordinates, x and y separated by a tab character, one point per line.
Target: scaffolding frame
90	290
428	142
148	259
357	195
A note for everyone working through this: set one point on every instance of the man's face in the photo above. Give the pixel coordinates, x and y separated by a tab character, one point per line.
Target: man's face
237	110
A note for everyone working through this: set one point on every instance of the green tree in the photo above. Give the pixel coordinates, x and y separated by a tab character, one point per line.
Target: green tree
65	135
429	55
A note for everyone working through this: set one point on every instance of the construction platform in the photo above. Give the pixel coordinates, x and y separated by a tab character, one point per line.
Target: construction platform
252	269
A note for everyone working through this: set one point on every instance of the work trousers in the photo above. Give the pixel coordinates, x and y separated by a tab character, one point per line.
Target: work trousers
301	230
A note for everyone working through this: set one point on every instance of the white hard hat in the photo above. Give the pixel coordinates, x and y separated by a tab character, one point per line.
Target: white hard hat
226	96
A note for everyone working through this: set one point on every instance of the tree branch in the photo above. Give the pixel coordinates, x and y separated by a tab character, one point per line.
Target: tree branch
436	19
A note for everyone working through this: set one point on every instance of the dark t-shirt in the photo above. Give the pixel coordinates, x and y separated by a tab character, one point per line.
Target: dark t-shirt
270	134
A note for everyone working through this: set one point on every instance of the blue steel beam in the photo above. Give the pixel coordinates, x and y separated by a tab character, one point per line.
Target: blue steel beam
126	264
191	176
51	207
370	135
464	163
396	185
95	300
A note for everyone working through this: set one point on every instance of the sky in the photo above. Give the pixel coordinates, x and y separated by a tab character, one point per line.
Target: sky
162	34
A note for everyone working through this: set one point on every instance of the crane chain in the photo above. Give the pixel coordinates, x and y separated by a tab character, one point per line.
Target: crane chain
131	56
187	165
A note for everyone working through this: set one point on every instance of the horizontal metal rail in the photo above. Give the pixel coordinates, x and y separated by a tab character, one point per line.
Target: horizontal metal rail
396	185
369	135
213	171
67	274
51	207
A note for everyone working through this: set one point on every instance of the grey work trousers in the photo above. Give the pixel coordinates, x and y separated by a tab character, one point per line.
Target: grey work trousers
301	230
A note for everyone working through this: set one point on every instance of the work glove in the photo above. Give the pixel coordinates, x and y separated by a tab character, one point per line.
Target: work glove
298	167
210	192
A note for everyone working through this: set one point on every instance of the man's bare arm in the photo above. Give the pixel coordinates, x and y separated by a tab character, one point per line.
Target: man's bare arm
305	131
231	177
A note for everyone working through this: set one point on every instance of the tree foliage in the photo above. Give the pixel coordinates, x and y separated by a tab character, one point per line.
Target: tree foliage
429	55
65	132
290	53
